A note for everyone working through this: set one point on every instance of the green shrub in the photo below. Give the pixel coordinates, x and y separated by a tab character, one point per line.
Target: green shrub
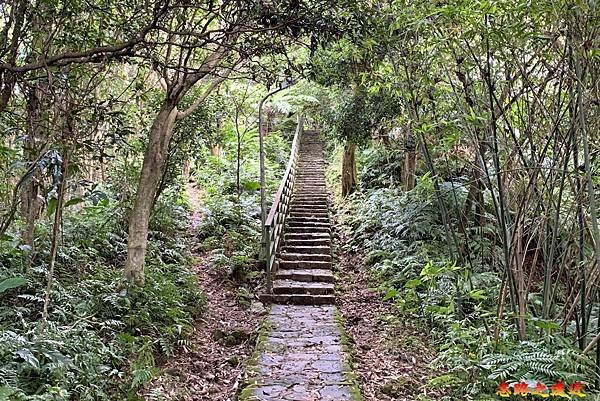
100	342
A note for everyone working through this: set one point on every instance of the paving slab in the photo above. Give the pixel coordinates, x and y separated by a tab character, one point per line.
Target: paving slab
302	358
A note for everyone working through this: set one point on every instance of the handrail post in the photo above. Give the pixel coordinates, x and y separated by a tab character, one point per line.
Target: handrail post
267	251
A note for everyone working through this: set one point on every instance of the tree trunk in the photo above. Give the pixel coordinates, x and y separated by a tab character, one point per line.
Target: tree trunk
349	176
60	198
152	168
30	203
410	161
187	170
155	159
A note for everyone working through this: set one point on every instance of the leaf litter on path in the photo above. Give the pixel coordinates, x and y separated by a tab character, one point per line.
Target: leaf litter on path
391	355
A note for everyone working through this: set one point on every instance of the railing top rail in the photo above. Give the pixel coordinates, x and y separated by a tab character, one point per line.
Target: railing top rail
288	170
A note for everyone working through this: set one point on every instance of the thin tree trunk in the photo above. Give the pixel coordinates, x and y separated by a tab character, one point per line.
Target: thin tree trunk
30	204
55	233
238	161
410	161
349	176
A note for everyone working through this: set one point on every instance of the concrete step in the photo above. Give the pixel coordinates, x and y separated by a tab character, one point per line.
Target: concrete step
323	206
308	211
293	222
308	218
322	250
320	198
305	264
308	223
303	210
318	235
301	287
298	299
312	186
309	203
306	196
307	230
310	257
305	275
308	242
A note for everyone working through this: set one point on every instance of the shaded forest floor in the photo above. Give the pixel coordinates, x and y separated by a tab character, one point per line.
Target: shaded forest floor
391	356
209	366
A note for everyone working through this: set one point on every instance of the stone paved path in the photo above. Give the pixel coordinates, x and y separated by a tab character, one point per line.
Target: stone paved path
302	357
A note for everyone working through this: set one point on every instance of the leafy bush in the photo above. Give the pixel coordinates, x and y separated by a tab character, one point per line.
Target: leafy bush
407	248
100	342
230	228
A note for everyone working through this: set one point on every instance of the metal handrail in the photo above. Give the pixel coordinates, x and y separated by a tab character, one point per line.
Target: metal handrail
279	209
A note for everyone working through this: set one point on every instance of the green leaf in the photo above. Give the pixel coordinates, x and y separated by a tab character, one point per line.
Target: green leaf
74	201
546	324
251	185
477	295
413	283
12	282
51	206
5	392
28	357
390	294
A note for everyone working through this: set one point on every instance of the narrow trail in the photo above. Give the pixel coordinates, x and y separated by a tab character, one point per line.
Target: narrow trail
209	366
302	356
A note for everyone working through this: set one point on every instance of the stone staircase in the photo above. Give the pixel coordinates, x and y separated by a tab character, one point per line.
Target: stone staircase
304	276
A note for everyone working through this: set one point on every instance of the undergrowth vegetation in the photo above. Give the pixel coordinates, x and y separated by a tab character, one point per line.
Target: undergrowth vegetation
230	229
100	341
406	247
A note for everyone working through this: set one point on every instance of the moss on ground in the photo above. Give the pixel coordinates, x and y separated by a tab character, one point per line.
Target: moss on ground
252	368
348	363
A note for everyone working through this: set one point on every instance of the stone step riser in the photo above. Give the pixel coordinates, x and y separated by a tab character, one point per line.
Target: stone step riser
308	219
294	226
310	215
321	250
317	276
308	223
307	237
302	199
308	257
299	299
308	230
310	209
303	290
308	242
294	223
304	264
